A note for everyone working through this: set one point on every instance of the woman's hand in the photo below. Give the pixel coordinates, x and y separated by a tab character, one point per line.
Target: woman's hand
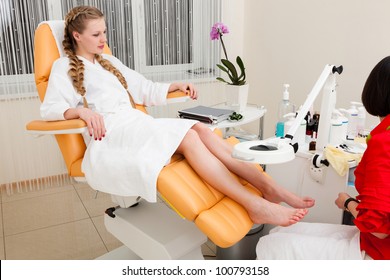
188	88
340	200
95	121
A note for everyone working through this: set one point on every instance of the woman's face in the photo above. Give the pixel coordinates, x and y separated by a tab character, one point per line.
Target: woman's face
92	40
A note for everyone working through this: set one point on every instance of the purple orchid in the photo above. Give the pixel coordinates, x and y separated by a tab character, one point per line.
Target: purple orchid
216	33
218	30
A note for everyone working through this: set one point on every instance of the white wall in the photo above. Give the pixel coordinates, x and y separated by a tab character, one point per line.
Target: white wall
291	41
233	14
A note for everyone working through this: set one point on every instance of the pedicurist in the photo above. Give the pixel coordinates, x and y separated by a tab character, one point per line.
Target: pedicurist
369	238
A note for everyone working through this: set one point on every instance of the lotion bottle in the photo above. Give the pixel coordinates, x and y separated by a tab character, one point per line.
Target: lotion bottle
352	114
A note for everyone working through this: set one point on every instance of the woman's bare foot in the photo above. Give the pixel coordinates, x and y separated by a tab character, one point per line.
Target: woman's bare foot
264	212
279	194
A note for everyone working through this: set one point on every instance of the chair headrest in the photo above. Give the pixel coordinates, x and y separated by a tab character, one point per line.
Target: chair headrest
57	28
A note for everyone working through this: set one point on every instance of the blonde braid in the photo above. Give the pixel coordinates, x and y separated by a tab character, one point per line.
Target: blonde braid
109	67
76	71
75	21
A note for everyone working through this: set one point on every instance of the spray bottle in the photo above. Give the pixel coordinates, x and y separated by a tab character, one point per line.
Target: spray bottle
285	107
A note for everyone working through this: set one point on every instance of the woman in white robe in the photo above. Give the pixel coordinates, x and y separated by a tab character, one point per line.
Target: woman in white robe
128	148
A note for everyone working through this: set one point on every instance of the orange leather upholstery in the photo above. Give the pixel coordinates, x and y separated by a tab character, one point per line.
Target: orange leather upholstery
224	221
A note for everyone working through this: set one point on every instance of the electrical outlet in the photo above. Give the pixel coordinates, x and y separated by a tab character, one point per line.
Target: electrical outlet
317	174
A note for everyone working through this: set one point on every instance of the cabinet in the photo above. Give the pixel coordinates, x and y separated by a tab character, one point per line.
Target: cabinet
300	177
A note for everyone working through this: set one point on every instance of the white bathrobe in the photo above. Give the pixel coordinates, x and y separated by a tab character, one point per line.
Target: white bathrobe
136	147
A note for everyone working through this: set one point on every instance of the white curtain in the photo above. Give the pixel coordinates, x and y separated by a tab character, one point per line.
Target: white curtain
27	163
163	39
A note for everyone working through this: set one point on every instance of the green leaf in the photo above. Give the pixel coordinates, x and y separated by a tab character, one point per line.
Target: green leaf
222	80
222	68
225	70
231	68
242	68
240	63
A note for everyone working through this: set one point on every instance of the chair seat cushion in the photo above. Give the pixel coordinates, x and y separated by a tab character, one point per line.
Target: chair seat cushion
223	220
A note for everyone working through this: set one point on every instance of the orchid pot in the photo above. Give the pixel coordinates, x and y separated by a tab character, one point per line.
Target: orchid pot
237	97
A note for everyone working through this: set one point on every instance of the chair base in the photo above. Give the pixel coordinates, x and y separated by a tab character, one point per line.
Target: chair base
120	253
153	231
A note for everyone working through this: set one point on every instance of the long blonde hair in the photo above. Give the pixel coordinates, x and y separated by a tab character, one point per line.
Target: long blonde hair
76	20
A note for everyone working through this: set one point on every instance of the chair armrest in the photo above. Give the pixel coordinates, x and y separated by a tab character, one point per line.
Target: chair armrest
78	126
177	96
56	127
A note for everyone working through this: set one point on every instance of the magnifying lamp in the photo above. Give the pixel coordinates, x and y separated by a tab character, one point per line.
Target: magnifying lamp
279	150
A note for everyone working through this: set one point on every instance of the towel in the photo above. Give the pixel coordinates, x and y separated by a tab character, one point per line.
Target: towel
310	241
340	159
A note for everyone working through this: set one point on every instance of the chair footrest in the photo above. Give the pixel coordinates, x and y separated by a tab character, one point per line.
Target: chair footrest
153	231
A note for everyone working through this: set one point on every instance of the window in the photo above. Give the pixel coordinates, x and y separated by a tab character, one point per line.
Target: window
175	37
119	19
163	39
18	20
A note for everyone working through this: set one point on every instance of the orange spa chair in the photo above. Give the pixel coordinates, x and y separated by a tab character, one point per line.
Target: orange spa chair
150	230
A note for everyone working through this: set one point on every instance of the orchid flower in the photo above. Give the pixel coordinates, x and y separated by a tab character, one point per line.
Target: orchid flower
216	33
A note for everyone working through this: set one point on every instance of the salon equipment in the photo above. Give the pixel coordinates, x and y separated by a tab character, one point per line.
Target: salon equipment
267	151
245	249
148	231
308	175
326	84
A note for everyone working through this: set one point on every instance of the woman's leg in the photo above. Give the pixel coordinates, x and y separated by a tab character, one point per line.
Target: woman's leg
270	189
214	172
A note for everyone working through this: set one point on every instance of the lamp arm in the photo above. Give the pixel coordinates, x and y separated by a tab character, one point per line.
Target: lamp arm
328	71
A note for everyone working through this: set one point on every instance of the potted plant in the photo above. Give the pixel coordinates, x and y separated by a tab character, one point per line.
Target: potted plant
237	89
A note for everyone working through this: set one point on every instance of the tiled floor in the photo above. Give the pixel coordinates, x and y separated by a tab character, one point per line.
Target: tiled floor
59	223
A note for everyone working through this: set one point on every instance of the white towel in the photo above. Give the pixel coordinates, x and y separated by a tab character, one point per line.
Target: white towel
310	241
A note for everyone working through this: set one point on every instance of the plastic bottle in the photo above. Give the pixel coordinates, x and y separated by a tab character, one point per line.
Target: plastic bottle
339	128
285	107
361	123
337	132
344	121
352	114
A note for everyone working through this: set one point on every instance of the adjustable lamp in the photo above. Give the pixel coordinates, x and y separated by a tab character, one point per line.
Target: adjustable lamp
279	150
